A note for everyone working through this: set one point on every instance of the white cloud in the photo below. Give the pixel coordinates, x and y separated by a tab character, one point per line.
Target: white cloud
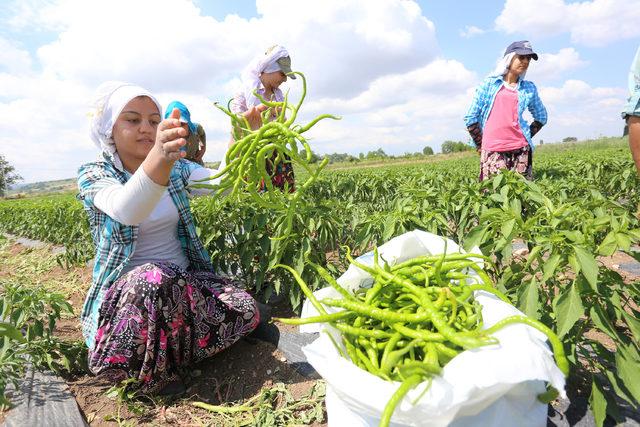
551	66
579	93
378	67
341	44
12	58
591	23
471	31
23	14
397	112
578	109
342	48
438	77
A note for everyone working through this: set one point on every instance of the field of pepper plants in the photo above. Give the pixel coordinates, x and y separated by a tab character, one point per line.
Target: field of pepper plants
548	239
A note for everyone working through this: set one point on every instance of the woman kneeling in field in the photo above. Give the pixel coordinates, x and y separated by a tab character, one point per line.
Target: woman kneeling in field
155	305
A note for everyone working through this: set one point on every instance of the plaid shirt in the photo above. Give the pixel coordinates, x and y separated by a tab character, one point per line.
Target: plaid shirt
115	242
527	99
632	107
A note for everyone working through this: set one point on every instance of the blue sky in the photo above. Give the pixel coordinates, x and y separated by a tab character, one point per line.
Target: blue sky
400	73
450	18
608	60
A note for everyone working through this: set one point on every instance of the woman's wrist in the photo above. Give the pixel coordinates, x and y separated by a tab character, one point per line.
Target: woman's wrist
476	134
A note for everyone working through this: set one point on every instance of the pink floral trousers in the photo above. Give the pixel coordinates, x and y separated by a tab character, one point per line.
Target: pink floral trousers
520	161
158	318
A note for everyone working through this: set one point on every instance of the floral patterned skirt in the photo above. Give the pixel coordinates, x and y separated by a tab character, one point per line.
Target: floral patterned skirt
158	319
520	161
281	175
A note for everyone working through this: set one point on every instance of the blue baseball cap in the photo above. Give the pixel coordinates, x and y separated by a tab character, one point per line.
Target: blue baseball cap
522	47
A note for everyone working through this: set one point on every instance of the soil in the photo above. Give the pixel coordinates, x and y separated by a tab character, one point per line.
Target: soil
230	377
613	263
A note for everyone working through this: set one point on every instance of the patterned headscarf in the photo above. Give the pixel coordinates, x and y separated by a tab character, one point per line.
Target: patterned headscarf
111	97
185	115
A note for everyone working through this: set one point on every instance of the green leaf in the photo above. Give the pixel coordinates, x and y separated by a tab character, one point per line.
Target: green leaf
497	181
299	262
504	191
261	221
537	197
475	237
573	262
568	309
532	256
633	323
628	365
618	386
598	403
608	245
550	266
528	298
507	250
623	241
274	256
601	320
516	208
17	317
265	244
246	257
248	224
277	283
574	236
507	227
588	265
497	198
389	228
8	330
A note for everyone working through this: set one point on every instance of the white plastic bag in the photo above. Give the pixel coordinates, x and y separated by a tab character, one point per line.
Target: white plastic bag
488	386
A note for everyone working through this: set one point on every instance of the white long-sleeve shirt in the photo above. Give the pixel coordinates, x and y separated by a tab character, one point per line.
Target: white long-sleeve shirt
148	205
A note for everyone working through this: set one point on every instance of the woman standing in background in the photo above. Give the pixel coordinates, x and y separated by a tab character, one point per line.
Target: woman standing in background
495	118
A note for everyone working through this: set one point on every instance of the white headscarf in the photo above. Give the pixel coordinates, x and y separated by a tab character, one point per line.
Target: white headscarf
265	63
111	97
502	66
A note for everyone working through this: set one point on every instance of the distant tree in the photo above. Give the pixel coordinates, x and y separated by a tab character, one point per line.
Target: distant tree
8	175
570	139
340	157
334	157
378	154
314	157
454	147
541	142
427	151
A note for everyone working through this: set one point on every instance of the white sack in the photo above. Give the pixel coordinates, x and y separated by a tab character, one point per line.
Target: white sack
489	386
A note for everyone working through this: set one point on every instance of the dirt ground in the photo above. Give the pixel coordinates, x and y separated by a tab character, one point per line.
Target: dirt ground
230	377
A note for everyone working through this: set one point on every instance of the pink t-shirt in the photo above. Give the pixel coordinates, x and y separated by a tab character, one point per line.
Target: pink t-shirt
502	131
